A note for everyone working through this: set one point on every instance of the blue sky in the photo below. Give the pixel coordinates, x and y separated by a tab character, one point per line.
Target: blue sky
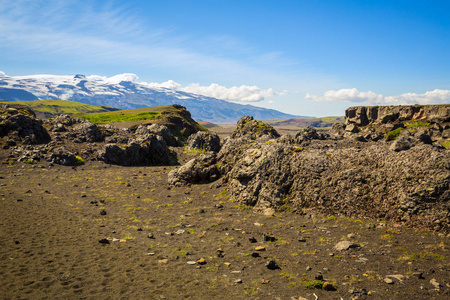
301	57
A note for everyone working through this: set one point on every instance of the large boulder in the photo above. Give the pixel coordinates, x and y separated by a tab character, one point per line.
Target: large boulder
87	132
160	130
63	157
21	125
146	150
410	187
248	127
204	140
201	169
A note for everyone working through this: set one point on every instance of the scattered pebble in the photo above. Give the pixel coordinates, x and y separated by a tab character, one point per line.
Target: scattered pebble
103	212
272	265
151	236
328	286
260	248
191	262
252	240
103	241
238	281
436	284
201	261
388	280
345	245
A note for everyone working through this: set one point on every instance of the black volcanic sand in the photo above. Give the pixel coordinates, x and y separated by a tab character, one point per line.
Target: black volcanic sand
51	222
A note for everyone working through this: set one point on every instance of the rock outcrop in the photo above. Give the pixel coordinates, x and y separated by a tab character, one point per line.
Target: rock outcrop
248	127
405	180
145	150
365	115
204	140
201	169
20	125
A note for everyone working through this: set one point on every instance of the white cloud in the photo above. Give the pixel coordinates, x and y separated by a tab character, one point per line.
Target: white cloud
243	93
2	74
353	95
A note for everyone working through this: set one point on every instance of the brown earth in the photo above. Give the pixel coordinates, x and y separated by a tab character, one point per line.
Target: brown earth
51	222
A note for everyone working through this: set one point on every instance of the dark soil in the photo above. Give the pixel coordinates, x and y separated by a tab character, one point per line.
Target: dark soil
53	217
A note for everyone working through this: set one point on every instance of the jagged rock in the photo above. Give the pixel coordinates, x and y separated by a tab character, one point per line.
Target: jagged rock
204	140
145	150
338	129
253	129
88	132
371	181
63	157
401	143
197	170
160	130
21	125
308	134
351	128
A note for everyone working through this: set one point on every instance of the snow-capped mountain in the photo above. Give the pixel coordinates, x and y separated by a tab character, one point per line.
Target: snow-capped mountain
123	93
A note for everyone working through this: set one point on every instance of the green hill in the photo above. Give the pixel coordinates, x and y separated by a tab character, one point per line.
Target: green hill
51	108
175	117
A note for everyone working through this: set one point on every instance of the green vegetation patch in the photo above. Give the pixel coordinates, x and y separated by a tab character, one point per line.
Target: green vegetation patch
446	144
55	107
393	134
120	117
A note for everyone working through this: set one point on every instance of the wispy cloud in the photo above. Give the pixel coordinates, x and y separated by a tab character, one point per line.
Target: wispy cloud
353	95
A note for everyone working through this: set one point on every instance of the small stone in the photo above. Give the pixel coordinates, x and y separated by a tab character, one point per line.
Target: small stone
163	261
227	264
115	240
103	212
151	253
319	276
238	281
272	265
103	241
328	286
180	231
389	281
308	268
302	240
345	245
436	284
191	262
351	236
139	229
260	248
255	254
269	238
418	275
201	211
201	261
151	236
252	240
265	281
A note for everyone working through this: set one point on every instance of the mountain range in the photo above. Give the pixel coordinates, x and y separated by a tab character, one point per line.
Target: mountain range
118	92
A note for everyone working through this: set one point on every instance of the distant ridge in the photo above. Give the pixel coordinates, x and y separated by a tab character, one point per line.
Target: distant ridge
127	95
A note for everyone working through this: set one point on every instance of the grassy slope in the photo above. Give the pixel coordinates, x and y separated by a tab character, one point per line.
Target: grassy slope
50	108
